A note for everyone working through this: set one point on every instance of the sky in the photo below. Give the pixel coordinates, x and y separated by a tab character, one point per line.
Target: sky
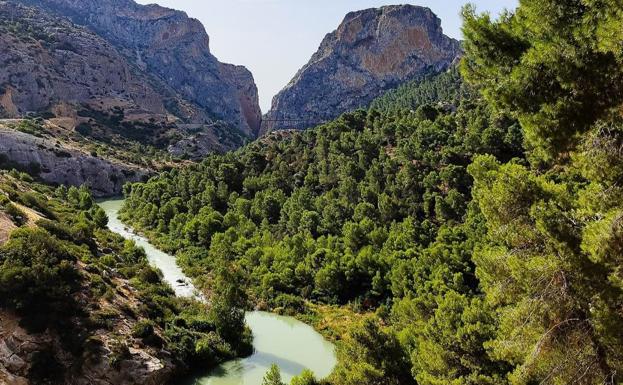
275	38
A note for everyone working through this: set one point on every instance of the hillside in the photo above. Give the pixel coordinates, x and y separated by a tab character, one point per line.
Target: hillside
371	211
478	218
96	74
464	228
58	156
81	306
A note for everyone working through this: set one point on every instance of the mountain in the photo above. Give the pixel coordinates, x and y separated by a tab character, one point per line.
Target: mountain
114	62
372	51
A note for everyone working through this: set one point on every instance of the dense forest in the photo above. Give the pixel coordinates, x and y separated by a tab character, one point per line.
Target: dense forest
478	214
63	273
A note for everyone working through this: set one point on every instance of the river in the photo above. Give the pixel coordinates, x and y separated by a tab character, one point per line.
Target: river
284	341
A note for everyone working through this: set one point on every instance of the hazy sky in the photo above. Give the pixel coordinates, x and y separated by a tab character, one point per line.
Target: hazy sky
274	38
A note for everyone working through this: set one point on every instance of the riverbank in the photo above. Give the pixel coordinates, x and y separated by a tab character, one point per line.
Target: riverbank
285	341
332	322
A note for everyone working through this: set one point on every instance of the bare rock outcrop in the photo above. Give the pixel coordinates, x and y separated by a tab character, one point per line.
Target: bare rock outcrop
172	49
144	72
372	51
61	165
48	63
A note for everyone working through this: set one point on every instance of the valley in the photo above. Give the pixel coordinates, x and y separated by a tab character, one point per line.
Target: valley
412	210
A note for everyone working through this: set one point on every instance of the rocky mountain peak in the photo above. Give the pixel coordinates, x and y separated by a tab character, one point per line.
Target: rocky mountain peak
371	51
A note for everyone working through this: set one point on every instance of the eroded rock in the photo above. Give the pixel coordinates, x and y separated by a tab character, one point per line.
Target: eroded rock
372	51
70	167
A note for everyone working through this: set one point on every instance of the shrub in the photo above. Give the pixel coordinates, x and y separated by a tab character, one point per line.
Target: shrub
290	304
16	214
84	129
143	329
119	352
36	271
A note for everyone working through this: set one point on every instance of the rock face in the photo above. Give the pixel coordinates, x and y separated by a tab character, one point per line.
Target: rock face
150	62
372	51
71	167
48	62
19	349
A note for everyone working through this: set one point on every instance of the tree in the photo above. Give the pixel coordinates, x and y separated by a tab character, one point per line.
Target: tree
227	305
556	65
36	271
552	298
305	378
273	376
99	217
371	356
547	265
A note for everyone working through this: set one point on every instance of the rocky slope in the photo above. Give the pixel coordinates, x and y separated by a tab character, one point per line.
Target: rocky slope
55	162
173	48
80	305
94	340
122	65
372	51
19	349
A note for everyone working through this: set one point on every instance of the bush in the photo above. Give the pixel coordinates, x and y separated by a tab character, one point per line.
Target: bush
290	304
36	271
16	214
30	126
143	329
84	129
36	202
119	352
103	319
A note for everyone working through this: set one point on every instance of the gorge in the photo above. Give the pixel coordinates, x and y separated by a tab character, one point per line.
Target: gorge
276	339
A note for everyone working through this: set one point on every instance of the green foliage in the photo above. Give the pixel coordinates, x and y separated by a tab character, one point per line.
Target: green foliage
227	308
305	378
321	214
99	217
552	64
371	209
30	126
36	271
17	215
485	268
273	376
371	356
446	89
550	263
143	329
70	275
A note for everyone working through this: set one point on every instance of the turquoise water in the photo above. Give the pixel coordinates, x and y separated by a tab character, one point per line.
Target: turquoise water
284	341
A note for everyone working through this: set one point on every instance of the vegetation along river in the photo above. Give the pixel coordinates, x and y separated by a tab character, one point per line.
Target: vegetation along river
284	341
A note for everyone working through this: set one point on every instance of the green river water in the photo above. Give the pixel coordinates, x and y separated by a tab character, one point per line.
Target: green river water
284	341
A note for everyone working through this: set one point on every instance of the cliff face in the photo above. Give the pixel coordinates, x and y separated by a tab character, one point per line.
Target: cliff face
66	166
171	46
153	64
48	63
372	51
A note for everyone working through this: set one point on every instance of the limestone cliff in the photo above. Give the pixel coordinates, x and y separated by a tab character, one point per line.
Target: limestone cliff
143	71
372	51
173	48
